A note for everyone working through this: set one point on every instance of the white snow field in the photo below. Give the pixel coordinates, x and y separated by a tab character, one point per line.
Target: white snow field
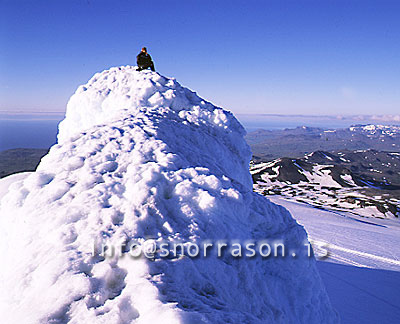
138	157
6	182
362	270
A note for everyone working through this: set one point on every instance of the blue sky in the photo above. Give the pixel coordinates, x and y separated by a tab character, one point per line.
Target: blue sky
286	57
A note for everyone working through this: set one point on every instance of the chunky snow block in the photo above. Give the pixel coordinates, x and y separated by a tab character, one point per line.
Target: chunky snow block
140	157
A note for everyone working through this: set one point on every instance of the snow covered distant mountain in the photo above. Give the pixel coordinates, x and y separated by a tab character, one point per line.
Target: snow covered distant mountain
296	142
364	182
140	157
377	131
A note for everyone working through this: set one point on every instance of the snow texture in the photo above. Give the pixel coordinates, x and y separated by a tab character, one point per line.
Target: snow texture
139	156
361	276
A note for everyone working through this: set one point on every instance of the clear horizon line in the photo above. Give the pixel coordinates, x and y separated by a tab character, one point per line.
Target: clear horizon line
29	112
56	112
314	115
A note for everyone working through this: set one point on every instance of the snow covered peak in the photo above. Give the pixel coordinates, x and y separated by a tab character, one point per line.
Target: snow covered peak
123	94
140	157
122	91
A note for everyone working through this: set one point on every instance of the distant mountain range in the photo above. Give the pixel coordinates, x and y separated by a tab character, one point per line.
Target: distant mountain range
296	142
363	182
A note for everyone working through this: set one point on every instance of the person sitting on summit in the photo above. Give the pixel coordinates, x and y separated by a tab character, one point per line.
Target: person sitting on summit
144	60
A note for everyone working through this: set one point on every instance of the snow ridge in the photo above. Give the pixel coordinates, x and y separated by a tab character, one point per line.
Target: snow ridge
139	156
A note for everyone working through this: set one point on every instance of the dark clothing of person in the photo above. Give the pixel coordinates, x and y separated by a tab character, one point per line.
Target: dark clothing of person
144	61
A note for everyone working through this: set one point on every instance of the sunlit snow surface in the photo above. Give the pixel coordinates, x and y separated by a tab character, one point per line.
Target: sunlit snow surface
141	157
362	270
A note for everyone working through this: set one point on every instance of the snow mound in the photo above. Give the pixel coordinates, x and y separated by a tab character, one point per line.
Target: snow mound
138	157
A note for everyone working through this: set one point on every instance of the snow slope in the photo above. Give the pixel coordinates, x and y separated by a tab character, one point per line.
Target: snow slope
139	156
362	270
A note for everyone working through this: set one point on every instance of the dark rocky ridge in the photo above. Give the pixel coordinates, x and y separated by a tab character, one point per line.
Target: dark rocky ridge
20	160
346	181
